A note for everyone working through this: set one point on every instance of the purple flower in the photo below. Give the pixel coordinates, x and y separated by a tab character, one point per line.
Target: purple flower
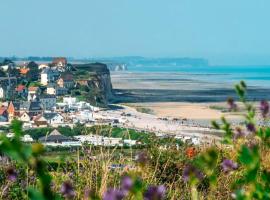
251	127
264	107
142	158
11	174
114	194
191	171
155	193
228	165
232	104
126	183
67	190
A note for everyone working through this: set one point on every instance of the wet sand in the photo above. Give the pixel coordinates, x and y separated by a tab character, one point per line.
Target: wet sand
176	96
132	87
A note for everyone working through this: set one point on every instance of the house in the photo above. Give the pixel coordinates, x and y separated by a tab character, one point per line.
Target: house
66	81
48	101
48	75
16	109
8	85
53	118
69	100
97	140
129	142
59	62
33	92
24	117
40	121
27	138
22	91
35	108
84	116
53	89
57	139
3	114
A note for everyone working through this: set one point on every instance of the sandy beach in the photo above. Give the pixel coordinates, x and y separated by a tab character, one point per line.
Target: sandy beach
186	110
171	95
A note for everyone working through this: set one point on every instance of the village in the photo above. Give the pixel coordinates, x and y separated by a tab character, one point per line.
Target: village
42	95
47	102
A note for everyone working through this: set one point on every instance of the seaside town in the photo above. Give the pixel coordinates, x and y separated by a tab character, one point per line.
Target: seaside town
48	95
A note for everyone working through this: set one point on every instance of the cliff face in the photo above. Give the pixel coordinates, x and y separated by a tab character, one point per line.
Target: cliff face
95	77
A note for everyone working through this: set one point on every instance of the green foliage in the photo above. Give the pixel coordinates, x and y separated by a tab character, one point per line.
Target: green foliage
238	167
28	155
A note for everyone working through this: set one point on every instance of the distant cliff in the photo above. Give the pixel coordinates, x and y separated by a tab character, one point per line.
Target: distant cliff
165	61
96	77
117	67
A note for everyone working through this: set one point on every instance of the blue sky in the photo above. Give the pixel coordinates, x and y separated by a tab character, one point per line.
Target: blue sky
224	31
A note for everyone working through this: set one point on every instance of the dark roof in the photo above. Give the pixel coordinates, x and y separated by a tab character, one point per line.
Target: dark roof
55	136
28	106
35	105
49	116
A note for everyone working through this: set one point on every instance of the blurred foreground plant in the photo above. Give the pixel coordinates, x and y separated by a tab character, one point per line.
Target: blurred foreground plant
247	145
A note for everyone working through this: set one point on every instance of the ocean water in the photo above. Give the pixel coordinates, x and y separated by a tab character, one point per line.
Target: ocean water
258	76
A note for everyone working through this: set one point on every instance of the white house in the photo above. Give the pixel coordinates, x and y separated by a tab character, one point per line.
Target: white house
97	140
27	138
83	117
130	142
24	117
54	118
52	89
48	75
69	100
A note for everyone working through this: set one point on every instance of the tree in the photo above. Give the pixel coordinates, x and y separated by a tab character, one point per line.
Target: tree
33	73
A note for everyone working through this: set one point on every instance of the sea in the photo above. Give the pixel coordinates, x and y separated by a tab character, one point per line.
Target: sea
258	76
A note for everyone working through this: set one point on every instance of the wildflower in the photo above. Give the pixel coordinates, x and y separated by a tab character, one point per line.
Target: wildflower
251	127
11	174
155	193
232	104
228	165
126	183
191	152
142	158
67	190
239	133
191	171
114	194
264	107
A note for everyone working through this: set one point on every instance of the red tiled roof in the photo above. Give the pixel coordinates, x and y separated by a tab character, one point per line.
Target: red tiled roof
24	70
2	110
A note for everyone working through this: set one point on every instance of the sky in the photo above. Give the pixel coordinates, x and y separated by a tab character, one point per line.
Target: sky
223	31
